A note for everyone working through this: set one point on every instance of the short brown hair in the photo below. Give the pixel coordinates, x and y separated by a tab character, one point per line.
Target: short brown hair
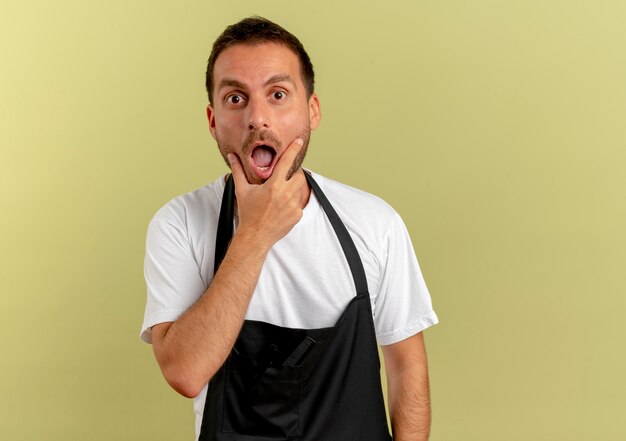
253	30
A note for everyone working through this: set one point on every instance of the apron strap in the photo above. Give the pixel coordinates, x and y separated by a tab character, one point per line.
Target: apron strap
347	244
225	231
225	223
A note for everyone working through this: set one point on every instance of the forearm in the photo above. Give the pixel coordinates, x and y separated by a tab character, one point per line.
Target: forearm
409	404
196	345
408	391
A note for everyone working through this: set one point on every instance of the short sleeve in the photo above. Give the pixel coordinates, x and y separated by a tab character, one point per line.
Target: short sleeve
403	305
172	275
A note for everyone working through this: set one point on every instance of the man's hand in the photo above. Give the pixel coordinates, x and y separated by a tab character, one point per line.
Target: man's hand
270	210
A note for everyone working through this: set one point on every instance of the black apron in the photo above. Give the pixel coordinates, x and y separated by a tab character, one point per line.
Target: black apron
299	384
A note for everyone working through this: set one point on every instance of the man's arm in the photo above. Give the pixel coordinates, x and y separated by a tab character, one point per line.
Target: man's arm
192	349
408	390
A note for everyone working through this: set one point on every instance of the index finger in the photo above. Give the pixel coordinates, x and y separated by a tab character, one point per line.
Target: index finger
285	162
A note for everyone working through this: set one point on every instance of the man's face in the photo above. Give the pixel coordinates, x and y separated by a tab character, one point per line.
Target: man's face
260	106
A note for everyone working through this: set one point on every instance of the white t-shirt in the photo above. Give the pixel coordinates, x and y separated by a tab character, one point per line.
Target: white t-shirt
305	281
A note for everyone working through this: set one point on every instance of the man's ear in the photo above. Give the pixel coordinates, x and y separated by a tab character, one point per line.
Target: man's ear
315	111
210	114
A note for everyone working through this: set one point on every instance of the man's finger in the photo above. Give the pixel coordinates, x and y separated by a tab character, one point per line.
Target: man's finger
238	174
285	162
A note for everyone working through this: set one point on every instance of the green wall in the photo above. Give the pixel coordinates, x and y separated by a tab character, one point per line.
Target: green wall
497	129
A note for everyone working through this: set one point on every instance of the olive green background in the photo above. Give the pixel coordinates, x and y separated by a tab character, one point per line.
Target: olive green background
496	129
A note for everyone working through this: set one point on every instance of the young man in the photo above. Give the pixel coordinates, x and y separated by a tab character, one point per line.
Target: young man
272	328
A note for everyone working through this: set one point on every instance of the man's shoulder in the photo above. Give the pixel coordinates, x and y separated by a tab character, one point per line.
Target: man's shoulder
345	198
201	202
364	214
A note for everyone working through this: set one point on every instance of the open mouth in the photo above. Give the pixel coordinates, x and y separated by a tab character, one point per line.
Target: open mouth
263	157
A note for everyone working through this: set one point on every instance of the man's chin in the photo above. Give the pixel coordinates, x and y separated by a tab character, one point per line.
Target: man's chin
253	179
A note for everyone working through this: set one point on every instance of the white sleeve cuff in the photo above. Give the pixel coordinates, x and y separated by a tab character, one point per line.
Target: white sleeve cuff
426	321
170	315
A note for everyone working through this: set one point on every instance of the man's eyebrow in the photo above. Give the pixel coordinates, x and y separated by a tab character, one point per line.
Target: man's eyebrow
278	78
229	82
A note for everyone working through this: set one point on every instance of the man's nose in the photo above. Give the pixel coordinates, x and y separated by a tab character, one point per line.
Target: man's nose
258	116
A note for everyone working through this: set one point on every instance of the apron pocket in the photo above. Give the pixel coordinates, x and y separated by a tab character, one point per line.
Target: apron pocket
261	403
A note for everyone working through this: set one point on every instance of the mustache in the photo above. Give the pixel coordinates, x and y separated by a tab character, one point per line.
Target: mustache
264	136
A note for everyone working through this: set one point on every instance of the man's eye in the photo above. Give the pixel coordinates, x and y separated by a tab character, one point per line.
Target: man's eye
234	99
278	95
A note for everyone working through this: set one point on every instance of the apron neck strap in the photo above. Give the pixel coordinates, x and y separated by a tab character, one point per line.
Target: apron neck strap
225	223
225	231
347	244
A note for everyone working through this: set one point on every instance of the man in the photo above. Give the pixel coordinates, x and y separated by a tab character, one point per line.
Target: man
273	328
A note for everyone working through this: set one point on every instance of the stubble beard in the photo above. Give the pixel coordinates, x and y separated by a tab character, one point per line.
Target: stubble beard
268	136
